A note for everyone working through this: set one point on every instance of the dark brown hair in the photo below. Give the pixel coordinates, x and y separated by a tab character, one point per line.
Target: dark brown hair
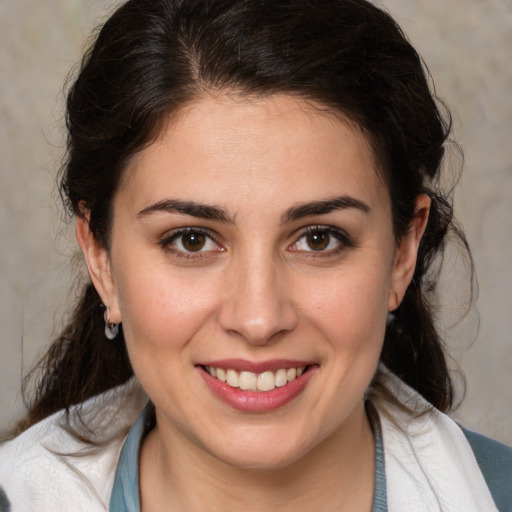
153	56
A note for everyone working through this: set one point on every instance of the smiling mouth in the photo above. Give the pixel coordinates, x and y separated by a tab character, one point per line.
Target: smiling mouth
250	381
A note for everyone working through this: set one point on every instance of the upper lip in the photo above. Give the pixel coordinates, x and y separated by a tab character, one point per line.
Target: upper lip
246	365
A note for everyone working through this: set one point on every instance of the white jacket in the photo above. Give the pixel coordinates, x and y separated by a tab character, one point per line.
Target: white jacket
429	464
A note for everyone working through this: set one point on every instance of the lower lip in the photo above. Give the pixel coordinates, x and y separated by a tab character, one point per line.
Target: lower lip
257	401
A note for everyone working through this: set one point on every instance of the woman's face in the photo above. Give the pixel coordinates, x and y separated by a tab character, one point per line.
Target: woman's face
254	241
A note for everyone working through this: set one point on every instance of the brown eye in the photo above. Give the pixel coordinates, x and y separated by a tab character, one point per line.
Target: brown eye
318	240
193	242
326	240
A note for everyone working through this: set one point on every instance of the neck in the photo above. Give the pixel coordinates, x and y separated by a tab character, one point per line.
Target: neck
338	474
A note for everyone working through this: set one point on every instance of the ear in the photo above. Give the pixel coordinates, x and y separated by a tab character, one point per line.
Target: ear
98	264
407	252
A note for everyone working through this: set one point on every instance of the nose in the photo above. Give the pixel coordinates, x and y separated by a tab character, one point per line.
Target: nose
258	305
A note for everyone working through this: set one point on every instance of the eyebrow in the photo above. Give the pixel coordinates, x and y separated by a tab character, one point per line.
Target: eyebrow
302	210
202	211
296	212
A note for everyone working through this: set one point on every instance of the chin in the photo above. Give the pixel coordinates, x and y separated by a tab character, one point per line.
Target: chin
260	461
261	451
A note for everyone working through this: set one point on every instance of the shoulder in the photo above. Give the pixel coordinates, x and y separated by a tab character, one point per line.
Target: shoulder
37	467
495	462
51	465
430	461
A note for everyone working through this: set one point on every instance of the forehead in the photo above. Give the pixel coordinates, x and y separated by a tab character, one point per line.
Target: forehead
229	148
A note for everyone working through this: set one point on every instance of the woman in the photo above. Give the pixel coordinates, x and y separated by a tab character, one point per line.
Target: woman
254	186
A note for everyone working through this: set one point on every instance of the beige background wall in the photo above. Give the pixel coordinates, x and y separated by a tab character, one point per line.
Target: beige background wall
467	44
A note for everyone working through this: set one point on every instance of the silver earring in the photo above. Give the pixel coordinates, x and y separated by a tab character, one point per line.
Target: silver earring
111	329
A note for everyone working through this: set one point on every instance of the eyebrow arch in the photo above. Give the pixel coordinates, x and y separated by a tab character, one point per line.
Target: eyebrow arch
322	207
191	208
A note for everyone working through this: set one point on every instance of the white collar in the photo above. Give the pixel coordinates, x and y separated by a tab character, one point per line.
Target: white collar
430	466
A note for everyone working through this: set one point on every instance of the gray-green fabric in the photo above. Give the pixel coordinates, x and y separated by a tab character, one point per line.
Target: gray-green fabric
495	461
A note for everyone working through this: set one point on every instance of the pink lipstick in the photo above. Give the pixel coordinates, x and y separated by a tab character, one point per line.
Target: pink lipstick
257	386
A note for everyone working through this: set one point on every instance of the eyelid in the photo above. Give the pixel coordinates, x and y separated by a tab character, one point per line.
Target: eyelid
171	236
339	234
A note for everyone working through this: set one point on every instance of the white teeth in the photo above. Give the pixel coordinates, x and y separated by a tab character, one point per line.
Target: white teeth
281	378
250	381
266	381
291	373
247	381
232	378
221	374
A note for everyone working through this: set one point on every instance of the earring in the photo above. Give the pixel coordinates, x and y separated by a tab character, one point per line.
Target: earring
111	329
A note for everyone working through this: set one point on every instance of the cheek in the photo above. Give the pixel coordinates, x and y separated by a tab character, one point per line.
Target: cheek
352	304
161	311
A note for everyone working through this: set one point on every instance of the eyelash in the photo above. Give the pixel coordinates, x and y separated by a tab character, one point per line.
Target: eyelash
338	234
167	242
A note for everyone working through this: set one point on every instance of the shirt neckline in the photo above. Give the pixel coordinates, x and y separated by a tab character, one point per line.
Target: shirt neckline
125	493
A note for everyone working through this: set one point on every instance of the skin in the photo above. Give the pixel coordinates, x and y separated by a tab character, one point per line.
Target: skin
257	290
